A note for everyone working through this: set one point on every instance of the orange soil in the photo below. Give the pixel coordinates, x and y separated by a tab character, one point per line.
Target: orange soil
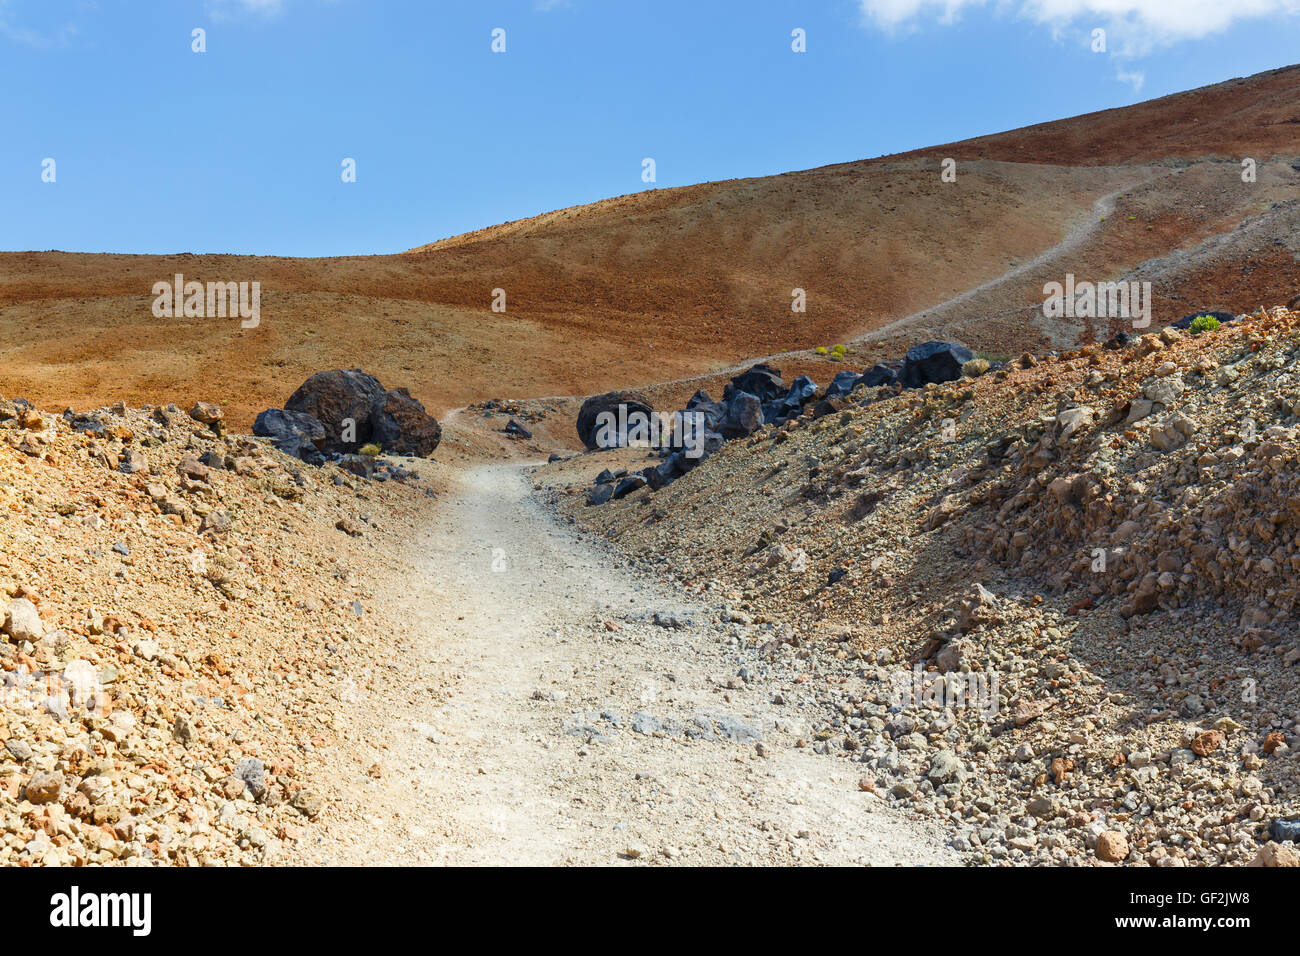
672	283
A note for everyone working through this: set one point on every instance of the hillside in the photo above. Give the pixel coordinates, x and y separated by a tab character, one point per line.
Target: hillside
215	653
676	282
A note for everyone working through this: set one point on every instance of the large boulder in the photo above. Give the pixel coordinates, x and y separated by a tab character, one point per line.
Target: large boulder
336	397
712	411
392	419
744	415
877	376
761	380
294	433
842	384
703	443
934	362
402	426
713	442
589	415
801	392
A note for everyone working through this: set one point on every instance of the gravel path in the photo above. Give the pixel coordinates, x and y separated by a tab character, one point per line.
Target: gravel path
539	715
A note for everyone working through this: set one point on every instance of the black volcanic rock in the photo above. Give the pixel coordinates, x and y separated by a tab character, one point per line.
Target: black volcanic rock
934	362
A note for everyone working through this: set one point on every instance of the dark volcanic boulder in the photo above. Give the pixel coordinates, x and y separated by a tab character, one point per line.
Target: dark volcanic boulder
801	391
516	430
589	416
363	466
744	414
843	383
876	376
629	484
402	427
335	396
392	419
659	476
934	362
294	433
827	406
669	470
712	411
761	380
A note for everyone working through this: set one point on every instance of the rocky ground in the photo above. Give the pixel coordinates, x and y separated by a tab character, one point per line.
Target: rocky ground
1098	544
1041	615
216	655
179	634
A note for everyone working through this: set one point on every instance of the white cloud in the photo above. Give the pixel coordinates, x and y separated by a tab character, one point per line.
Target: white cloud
1136	78
893	13
1134	27
225	9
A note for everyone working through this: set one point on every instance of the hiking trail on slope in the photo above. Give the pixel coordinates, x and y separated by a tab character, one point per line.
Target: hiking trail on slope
516	728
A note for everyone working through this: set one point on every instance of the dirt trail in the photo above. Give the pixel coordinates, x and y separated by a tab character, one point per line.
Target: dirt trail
516	728
930	321
1079	232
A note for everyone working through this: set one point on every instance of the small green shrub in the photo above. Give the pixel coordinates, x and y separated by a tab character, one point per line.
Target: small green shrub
371	450
1204	323
821	350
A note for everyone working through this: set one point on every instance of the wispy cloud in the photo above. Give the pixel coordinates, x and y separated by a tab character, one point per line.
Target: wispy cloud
12	29
227	9
1134	27
1136	78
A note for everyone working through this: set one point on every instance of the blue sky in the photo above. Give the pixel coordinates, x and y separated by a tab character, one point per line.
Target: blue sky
239	149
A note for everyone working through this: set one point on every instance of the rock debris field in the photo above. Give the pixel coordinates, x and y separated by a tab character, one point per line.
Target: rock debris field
1040	613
